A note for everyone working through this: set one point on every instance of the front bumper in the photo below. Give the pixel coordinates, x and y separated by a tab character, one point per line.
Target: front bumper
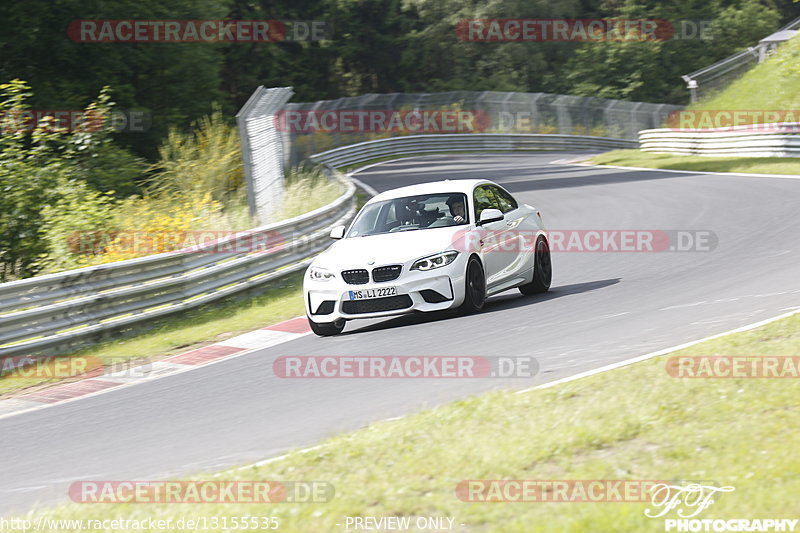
434	290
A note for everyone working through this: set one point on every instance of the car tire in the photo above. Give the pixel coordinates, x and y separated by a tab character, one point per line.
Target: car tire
474	287
542	269
326	329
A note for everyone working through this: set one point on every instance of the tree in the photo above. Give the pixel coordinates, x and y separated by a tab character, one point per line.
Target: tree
175	83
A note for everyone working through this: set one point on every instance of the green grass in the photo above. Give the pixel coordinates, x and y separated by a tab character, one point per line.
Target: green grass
177	334
780	75
633	423
306	191
757	165
772	85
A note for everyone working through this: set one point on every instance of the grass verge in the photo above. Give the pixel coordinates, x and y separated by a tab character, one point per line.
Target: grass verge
306	191
756	165
771	85
177	334
635	422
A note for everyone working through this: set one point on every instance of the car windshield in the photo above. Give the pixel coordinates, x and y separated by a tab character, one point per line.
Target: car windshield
411	213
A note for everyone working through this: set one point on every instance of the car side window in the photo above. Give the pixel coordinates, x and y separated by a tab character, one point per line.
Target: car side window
483	199
505	200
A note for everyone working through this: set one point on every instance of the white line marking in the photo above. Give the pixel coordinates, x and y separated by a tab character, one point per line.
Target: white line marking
730	299
146	371
14	405
25	489
650	355
367	167
420	156
258	339
681	306
743	174
367	188
615	315
270	460
574	160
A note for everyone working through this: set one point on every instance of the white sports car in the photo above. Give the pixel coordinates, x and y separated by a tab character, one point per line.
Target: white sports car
427	247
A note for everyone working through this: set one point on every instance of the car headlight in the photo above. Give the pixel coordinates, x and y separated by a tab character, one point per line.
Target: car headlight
320	274
435	261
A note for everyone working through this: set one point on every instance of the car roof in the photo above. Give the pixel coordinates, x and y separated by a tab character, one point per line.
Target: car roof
445	186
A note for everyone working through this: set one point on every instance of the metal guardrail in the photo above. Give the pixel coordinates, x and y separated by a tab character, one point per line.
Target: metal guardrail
718	75
59	312
467	142
753	141
56	312
715	77
493	111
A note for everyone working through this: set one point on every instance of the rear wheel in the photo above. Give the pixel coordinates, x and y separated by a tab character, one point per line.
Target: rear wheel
542	269
475	287
326	329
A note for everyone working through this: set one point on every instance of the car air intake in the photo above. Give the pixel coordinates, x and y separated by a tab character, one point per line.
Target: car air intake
433	297
387	273
325	308
358	276
375	305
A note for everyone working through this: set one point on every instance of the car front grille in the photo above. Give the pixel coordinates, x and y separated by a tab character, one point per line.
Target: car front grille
358	276
375	305
386	273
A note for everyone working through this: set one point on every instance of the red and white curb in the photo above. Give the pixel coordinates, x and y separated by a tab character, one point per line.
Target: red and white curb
92	385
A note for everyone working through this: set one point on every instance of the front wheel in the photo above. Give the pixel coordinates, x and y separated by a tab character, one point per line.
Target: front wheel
326	329
475	287
542	269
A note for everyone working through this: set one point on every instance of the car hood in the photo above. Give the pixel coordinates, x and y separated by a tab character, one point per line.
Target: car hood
388	248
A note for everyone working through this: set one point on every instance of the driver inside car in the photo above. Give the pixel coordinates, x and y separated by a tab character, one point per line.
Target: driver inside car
457	210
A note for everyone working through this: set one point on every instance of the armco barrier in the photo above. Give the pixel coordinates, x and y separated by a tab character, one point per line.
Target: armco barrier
463	142
56	312
761	140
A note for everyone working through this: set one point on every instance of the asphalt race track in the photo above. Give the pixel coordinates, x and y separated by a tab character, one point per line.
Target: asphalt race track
603	307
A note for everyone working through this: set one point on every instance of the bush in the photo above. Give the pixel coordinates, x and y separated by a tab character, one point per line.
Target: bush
206	160
61	208
79	216
197	184
45	175
111	168
151	225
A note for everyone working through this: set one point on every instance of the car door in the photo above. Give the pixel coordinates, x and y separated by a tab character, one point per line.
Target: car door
497	258
515	223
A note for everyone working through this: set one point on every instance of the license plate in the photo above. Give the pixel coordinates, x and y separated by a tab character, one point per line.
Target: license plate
366	294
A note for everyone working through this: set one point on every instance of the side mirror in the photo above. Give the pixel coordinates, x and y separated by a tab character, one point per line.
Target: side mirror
491	215
337	232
